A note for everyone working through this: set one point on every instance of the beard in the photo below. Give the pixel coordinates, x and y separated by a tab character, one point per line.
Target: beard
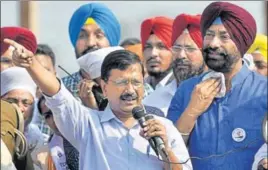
88	50
184	69
159	74
29	119
221	60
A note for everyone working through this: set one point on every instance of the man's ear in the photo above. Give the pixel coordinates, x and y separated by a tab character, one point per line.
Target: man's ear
104	87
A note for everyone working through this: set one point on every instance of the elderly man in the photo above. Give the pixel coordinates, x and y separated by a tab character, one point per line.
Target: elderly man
156	43
218	123
187	59
18	87
20	35
93	132
258	50
92	26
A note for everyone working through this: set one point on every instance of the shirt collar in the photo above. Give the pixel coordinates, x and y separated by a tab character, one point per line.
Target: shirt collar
172	87
241	75
164	81
107	114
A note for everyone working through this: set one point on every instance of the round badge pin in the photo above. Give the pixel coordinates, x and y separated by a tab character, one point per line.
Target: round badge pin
239	134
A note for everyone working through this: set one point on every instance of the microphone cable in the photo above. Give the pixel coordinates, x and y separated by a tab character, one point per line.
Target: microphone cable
215	155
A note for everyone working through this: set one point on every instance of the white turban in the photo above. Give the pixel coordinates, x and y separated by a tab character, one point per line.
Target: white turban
17	78
249	61
91	62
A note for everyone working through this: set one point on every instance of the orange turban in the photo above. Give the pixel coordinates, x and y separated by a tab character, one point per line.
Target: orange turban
160	26
189	22
137	49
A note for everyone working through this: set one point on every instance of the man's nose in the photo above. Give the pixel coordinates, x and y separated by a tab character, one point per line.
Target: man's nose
92	41
22	107
181	54
215	42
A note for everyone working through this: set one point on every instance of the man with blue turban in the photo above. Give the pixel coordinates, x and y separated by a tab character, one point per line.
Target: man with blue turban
92	26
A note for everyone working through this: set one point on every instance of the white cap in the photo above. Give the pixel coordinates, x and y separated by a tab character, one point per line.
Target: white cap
17	78
91	62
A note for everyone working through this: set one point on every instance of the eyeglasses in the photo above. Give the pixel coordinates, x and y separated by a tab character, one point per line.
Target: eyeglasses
178	48
25	102
124	82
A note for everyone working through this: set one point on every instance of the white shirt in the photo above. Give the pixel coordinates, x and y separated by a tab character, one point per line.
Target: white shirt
261	154
57	152
35	141
33	136
102	140
161	97
164	81
6	159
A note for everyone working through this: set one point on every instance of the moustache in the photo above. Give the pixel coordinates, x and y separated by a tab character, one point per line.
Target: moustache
89	49
153	60
181	62
128	96
210	50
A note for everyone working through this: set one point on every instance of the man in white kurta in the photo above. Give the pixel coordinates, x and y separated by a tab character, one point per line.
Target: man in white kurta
111	139
102	140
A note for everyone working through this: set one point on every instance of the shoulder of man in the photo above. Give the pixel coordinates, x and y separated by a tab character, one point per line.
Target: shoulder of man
154	111
189	84
259	78
68	79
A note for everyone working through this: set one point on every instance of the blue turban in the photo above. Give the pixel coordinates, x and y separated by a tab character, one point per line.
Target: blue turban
102	15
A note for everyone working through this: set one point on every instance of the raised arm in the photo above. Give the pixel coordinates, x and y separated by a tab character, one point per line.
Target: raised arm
71	118
22	57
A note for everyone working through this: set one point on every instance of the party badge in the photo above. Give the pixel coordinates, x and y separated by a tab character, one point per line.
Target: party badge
239	134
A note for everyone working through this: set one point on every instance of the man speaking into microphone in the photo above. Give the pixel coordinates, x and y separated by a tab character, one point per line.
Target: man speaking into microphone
111	139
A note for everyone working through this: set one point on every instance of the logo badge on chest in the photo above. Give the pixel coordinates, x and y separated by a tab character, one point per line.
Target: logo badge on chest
239	134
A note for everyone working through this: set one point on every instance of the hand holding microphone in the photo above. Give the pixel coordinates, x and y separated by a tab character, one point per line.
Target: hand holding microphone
153	130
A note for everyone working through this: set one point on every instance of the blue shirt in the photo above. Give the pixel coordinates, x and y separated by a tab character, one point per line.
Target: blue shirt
103	142
244	106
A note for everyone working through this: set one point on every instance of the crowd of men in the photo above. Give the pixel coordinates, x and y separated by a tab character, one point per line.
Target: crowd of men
189	93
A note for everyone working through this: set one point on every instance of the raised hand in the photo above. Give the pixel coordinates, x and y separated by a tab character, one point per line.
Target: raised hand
86	94
21	56
203	95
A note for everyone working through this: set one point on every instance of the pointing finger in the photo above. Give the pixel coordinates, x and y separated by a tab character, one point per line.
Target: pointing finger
12	43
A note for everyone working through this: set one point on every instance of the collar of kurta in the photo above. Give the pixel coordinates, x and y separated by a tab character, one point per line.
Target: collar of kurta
108	115
240	76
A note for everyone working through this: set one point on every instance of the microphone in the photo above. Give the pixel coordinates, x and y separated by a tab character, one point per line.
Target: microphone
265	128
156	142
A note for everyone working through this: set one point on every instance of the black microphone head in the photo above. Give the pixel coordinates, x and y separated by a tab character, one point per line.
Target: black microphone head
138	112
